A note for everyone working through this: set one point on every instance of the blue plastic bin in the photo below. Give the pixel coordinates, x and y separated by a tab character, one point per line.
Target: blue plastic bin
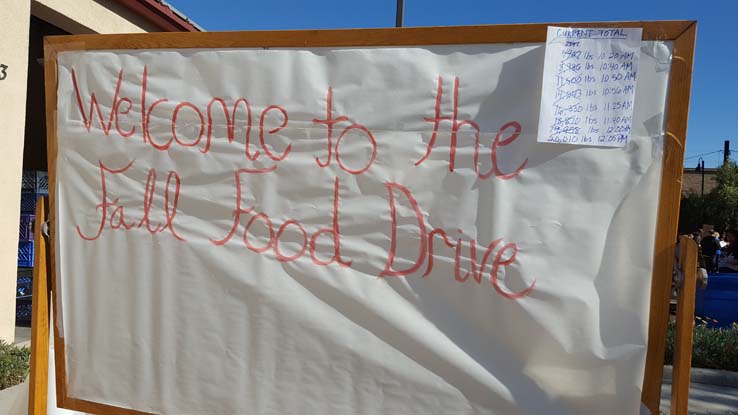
23	297
25	254
35	182
719	301
28	202
25	228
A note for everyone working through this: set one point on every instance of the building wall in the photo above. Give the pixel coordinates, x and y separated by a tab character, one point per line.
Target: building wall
692	181
74	17
90	16
14	54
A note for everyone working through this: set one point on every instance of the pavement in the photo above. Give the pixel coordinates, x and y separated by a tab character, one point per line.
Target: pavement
704	399
23	336
711	392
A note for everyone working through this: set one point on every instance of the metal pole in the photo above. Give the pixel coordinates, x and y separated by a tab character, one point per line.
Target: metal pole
726	151
702	168
400	13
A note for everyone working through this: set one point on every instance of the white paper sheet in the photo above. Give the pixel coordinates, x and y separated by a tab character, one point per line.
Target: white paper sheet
261	326
589	82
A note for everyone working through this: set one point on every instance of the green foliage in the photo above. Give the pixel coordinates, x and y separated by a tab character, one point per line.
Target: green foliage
719	207
711	348
14	364
727	190
727	175
692	212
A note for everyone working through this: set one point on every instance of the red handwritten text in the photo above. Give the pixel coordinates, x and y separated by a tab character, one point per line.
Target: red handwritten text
513	128
112	214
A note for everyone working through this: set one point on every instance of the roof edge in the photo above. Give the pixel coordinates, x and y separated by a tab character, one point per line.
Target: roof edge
161	15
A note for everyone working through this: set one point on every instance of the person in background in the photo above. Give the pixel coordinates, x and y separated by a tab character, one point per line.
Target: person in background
723	244
710	248
697	236
716	234
729	258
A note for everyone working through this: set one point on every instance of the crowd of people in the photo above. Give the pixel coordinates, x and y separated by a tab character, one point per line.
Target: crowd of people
717	254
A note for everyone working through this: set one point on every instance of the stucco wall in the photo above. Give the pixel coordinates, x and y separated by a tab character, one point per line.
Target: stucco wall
13	53
73	16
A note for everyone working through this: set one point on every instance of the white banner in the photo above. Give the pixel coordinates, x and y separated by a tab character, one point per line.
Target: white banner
348	231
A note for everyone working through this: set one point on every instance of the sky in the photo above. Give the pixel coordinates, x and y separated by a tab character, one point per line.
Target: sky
714	100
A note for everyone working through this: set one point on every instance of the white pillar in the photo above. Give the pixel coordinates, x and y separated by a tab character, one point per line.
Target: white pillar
14	24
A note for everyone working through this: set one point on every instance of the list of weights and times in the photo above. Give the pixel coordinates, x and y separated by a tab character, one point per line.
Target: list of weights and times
589	84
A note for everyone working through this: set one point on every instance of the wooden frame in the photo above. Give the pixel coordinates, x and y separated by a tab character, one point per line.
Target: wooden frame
686	288
682	33
38	382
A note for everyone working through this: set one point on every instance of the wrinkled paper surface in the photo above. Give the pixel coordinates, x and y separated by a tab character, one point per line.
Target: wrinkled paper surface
167	326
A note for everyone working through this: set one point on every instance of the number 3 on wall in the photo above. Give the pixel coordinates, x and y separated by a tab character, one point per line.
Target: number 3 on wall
3	74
